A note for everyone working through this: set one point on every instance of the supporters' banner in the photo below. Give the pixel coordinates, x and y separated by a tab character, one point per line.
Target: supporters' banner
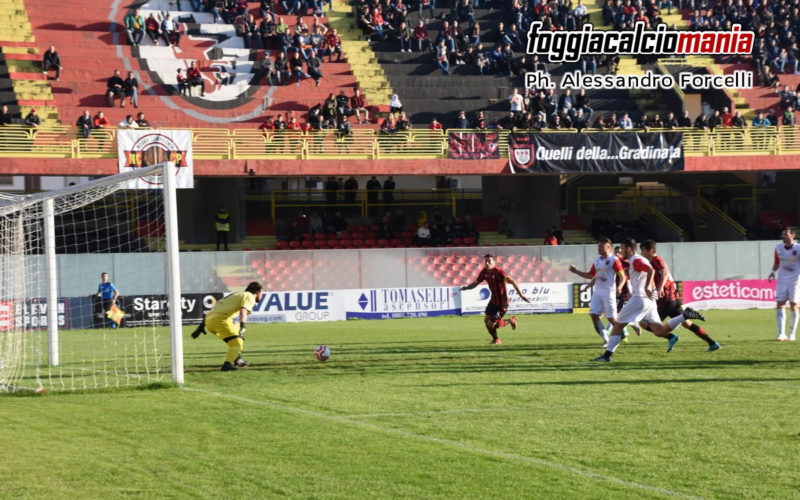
30	314
297	306
732	294
414	302
143	148
544	297
474	146
595	152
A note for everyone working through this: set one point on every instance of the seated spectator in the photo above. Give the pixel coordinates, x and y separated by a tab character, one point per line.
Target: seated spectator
334	45
183	82
171	31
388	125
85	124
152	28
402	123
404	35
131	86
314	66
5	116
195	78
580	122
128	122
315	223
435	125
134	27
440	57
268	124
422	218
480	121
358	106
342	106
142	121
223	77
100	120
421	35
423	237
338	223
51	60
282	74
279	123
32	119
468	229
115	88
395	106
549	239
266	69
296	65
761	120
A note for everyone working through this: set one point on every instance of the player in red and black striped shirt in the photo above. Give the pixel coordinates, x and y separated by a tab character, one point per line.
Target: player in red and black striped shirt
669	300
496	278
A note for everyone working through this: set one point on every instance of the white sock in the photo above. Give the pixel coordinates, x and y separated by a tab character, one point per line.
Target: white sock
781	315
675	322
793	317
613	342
598	327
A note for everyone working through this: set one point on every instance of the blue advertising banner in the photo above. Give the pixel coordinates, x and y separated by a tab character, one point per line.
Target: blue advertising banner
415	302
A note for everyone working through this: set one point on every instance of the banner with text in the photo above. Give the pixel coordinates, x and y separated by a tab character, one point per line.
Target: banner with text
292	307
595	152
544	297
730	294
143	148
31	314
473	146
415	302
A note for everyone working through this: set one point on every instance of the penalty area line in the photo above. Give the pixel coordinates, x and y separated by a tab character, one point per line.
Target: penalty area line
577	471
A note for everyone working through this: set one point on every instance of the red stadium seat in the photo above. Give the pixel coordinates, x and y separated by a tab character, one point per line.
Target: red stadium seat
320	236
383	242
281	245
469	240
294	244
333	243
308	236
321	244
308	244
396	242
370	243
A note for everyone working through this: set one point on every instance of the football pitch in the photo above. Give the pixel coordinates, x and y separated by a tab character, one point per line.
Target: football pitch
425	408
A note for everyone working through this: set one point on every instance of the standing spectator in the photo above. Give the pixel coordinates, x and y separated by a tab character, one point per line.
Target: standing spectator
388	190
350	190
714	120
51	60
516	102
134	27
461	120
222	224
358	106
107	293
435	125
85	124
128	122
625	122
151	27
171	31
195	79
331	187
549	239
131	86
32	119
373	190
116	88
727	117
685	120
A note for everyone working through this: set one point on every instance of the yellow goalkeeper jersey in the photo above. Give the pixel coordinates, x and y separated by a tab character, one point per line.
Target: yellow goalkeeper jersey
230	305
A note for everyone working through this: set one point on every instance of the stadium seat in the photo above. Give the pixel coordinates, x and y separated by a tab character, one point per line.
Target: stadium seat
333	243
320	236
308	244
281	245
469	240
294	244
370	243
321	244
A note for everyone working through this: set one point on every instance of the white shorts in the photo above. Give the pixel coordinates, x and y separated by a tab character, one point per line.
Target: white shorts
639	309
605	304
787	291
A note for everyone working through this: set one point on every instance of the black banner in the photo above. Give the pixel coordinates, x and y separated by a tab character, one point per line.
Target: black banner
143	310
595	152
474	146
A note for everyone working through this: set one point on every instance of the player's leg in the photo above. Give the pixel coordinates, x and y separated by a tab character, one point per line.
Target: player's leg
490	322
228	333
781	297
793	321
675	308
596	308
630	312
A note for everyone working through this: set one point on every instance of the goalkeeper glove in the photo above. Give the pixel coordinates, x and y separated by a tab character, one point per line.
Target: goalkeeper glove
241	330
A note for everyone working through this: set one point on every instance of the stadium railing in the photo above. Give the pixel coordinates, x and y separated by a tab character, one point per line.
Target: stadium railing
234	144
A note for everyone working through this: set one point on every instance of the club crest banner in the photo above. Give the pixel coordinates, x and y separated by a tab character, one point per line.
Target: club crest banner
595	152
143	148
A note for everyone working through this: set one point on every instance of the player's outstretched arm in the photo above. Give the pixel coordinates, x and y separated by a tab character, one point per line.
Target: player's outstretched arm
516	287
470	286
582	274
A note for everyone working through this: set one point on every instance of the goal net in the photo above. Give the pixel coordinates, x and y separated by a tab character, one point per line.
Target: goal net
61	328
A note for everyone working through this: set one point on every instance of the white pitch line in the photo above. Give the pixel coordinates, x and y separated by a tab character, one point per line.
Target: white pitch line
585	473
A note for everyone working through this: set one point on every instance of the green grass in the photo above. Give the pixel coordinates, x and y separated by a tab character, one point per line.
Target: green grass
426	409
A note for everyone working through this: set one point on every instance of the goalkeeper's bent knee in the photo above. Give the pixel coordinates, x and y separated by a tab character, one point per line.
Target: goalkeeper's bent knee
235	347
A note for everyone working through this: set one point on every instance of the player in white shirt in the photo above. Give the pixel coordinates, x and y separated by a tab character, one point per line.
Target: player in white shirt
787	265
641	307
604	274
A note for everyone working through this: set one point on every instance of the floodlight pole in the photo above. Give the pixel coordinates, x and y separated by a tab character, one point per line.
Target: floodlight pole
51	274
173	272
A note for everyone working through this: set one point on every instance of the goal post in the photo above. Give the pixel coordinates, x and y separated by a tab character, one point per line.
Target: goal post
59	329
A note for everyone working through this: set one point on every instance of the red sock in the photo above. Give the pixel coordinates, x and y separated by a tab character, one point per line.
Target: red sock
501	323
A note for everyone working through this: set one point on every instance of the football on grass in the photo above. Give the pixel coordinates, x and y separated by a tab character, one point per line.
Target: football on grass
322	353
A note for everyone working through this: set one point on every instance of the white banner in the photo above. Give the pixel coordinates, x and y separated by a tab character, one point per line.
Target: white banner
415	302
544	297
143	148
293	307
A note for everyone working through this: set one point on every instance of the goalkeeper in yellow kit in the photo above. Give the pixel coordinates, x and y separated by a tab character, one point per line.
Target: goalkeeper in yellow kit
219	321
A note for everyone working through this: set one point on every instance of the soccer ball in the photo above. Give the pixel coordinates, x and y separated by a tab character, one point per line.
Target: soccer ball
322	353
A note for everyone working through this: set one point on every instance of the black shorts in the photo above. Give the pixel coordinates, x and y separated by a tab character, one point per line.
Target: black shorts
495	312
669	308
